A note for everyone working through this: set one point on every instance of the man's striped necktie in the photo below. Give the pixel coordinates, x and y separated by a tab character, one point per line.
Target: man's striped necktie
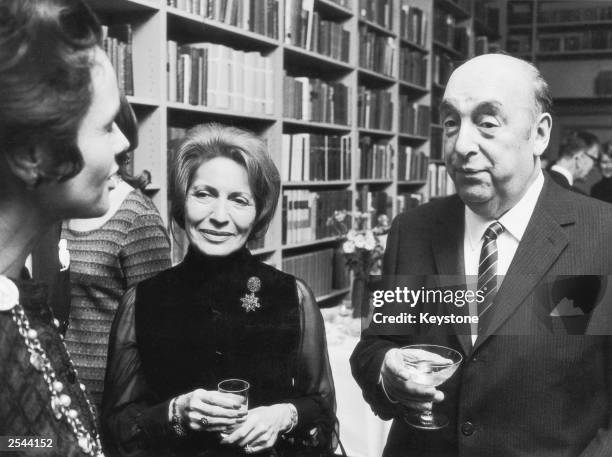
487	274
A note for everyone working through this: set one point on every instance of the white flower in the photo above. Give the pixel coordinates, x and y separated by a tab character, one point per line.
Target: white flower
350	235
359	241
348	247
370	241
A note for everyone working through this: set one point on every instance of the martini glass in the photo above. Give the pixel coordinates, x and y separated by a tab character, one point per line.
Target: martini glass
429	365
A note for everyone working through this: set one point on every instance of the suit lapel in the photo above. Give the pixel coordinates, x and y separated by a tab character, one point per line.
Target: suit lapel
447	248
542	243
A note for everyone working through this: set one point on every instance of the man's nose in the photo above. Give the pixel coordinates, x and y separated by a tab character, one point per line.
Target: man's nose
465	141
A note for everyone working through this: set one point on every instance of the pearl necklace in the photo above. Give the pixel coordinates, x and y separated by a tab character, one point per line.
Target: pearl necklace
88	442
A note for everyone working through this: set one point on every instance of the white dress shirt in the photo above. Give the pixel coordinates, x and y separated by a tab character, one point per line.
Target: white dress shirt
514	221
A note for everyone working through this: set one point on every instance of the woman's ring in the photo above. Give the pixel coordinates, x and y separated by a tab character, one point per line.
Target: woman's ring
248	449
204	420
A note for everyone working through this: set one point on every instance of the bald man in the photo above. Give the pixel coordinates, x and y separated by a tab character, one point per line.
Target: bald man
526	385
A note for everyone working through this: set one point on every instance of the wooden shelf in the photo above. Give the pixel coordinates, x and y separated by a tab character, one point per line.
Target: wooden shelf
375	132
318	184
416	182
123	6
197	28
332	10
416	47
298	56
316	126
438	86
220	112
377	28
333	294
412	87
411	137
306	244
373	77
445	48
519	27
263	251
363	181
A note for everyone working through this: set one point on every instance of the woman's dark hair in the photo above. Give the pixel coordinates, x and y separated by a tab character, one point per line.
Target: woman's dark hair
128	124
207	141
46	56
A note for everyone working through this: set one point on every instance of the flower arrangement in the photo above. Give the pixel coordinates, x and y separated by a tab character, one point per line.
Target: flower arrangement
363	249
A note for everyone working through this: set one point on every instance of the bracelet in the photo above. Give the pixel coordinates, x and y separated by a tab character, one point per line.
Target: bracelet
294	418
176	421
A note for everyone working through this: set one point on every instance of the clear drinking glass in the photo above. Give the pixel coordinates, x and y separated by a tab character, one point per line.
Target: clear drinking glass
238	387
429	365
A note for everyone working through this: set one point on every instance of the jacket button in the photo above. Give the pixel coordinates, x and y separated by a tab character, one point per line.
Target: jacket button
467	428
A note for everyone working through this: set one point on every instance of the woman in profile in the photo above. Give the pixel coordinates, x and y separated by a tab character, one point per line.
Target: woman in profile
58	142
220	314
108	255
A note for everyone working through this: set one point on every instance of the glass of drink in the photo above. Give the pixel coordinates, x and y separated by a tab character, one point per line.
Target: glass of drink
238	387
429	365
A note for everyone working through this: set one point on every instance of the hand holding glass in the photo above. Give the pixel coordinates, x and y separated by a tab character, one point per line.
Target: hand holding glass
429	365
238	387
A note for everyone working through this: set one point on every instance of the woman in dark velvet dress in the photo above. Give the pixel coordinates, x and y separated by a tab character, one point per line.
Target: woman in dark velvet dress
220	314
602	189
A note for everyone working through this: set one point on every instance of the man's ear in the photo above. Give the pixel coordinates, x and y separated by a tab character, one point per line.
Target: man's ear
27	164
542	133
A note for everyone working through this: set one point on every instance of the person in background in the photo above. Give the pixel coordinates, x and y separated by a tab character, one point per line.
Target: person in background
108	255
603	188
220	314
58	142
577	155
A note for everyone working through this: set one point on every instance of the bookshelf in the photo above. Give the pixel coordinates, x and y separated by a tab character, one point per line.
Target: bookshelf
571	44
342	90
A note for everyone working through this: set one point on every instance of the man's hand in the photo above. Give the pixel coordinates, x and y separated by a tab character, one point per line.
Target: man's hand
399	387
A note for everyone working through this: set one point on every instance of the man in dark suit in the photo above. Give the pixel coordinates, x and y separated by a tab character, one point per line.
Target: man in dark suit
526	387
577	155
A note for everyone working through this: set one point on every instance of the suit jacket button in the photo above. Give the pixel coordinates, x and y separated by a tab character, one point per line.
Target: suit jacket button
467	428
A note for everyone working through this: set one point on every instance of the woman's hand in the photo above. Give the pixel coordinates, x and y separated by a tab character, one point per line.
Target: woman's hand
211	410
261	428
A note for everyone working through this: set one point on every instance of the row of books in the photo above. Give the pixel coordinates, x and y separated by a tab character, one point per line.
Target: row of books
443	66
259	16
218	76
487	14
482	45
409	200
444	28
413	67
413	23
377	11
414	118
314	268
117	43
305	214
312	99
315	157
376	52
374	158
518	43
305	28
575	41
374	108
603	83
551	13
439	183
436	144
412	164
375	203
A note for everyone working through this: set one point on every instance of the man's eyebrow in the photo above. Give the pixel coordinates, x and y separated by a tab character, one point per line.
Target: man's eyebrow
490	105
446	107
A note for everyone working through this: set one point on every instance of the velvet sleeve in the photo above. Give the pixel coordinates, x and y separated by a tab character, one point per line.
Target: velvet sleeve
317	424
134	420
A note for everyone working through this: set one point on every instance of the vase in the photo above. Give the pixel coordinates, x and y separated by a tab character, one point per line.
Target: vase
360	297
